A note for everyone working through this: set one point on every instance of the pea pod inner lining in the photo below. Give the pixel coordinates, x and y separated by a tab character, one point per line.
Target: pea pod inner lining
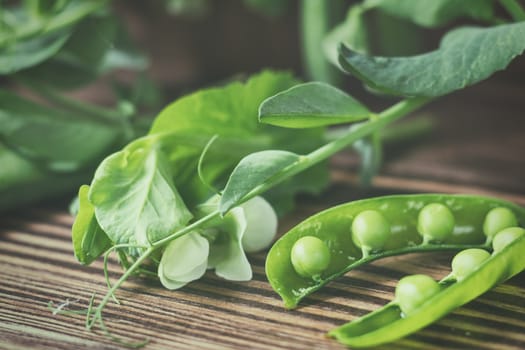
333	227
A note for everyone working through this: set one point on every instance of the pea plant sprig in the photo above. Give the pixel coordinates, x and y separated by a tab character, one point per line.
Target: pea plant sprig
147	204
139	221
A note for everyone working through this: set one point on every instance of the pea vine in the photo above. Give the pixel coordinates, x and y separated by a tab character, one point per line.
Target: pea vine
154	202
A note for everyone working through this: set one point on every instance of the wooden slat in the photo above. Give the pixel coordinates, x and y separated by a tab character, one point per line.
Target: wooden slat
37	267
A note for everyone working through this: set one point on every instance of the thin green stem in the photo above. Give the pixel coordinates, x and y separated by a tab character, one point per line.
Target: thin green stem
514	9
200	172
404	131
122	279
316	22
196	225
89	310
375	124
106	259
386	117
134	345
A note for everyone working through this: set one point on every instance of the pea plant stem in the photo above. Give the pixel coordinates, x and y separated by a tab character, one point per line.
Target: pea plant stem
111	292
408	130
514	9
316	22
193	226
384	118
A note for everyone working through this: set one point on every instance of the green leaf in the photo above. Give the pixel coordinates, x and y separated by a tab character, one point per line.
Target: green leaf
26	53
227	256
89	240
465	57
311	105
226	111
252	171
27	40
21	25
434	13
81	60
134	196
53	137
231	113
184	260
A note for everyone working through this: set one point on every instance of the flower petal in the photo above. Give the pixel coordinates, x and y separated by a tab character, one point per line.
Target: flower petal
261	222
226	253
185	258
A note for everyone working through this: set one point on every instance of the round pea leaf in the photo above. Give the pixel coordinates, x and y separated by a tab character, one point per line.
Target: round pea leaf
134	196
311	105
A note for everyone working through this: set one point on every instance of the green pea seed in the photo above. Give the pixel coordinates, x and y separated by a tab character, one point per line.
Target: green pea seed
412	291
506	237
467	261
310	256
435	222
498	219
370	230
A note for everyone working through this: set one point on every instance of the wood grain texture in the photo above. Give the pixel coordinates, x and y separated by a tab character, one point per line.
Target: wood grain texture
37	267
474	149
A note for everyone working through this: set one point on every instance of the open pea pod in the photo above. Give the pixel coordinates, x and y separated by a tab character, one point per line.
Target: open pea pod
389	323
333	227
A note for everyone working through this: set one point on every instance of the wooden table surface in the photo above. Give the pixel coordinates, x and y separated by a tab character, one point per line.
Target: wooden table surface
478	146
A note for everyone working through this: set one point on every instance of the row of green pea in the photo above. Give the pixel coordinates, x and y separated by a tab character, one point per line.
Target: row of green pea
411	291
370	231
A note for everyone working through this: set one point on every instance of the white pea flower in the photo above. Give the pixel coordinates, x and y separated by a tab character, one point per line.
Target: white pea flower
261	224
226	254
184	260
249	227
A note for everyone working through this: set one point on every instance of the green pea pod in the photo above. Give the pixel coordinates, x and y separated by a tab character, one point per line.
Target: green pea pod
333	227
388	323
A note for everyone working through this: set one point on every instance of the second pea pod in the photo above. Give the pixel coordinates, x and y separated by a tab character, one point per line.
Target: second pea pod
335	241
